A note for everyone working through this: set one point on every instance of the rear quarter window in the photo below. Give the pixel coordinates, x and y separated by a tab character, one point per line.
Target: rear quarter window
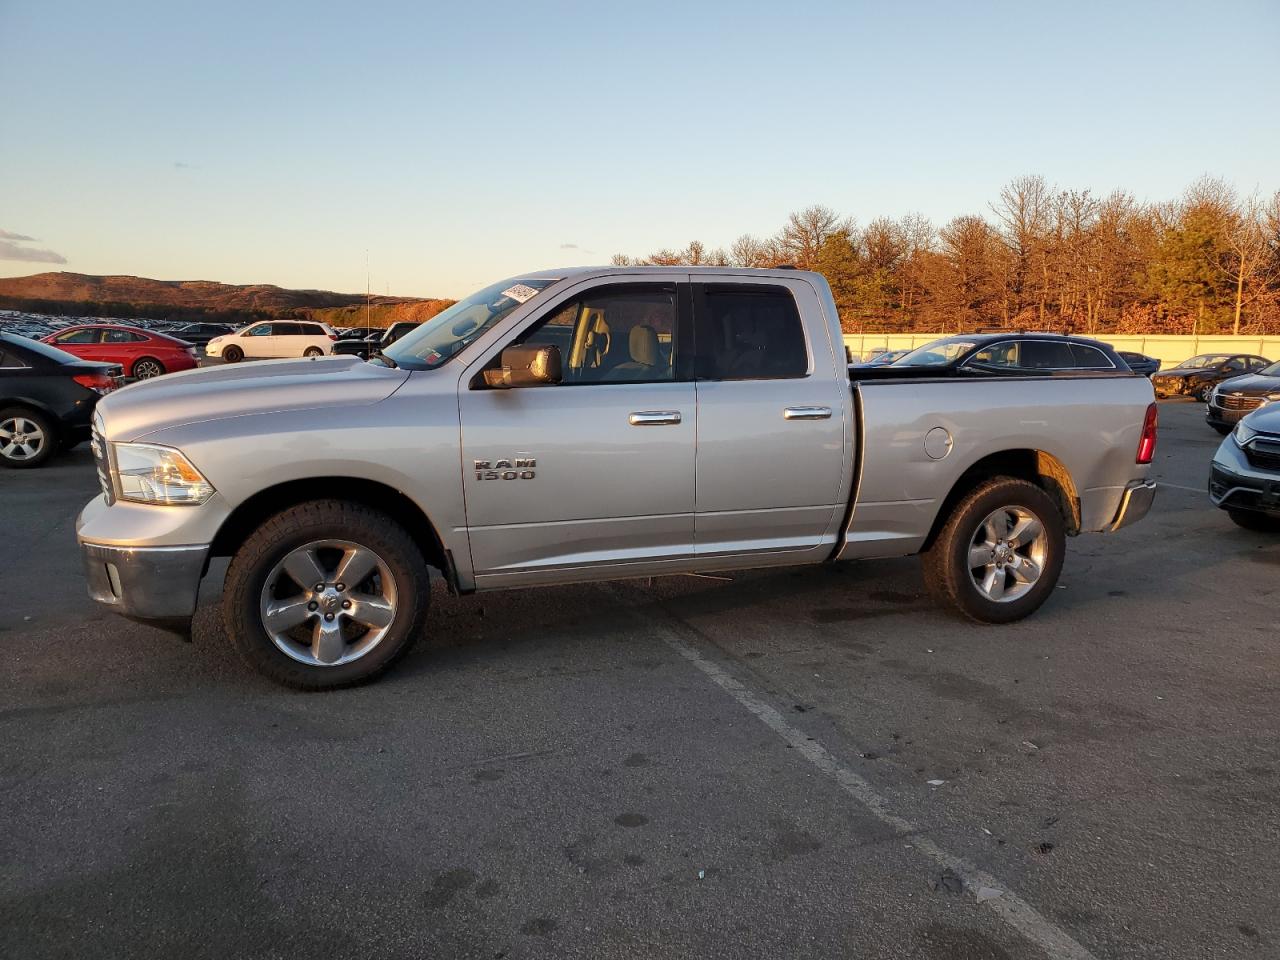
1091	358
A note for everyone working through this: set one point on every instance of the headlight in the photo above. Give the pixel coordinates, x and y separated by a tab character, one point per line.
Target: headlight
146	473
1273	397
1243	434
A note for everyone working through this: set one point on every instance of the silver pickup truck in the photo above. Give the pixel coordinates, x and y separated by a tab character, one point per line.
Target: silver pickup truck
591	424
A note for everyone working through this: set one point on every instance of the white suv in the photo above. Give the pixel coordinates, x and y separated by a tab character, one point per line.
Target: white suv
274	338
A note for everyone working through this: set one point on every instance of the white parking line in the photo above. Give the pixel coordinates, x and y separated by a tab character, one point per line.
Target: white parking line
1008	906
1178	486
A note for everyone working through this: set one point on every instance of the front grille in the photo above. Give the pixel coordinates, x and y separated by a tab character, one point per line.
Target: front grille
1264	454
99	447
1228	402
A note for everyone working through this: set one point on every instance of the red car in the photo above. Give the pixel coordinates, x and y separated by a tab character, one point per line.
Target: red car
142	353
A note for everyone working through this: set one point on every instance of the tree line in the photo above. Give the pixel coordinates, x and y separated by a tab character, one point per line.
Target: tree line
1040	258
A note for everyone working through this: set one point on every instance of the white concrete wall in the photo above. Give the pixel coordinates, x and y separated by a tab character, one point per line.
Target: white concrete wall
1169	350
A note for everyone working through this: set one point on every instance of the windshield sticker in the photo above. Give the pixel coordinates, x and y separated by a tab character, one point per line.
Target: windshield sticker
520	292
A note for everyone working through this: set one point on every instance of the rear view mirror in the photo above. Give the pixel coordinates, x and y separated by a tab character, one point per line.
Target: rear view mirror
526	366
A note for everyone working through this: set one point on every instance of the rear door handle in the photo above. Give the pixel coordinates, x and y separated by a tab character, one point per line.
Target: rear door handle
653	418
806	413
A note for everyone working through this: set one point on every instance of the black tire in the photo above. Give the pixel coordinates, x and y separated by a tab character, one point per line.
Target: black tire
946	571
232	354
1252	520
313	352
1222	429
1202	393
44	427
319	520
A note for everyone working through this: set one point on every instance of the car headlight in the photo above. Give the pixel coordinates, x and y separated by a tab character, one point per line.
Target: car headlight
1273	397
147	473
1243	433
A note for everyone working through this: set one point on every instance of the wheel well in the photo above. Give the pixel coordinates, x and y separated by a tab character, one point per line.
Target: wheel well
1035	466
250	515
55	422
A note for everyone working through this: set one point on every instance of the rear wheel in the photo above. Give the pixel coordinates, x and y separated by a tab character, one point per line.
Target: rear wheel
1252	520
232	354
326	594
144	368
313	352
999	554
27	438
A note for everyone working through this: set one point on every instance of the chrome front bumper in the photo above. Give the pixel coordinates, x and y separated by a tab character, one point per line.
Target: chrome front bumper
1134	503
154	584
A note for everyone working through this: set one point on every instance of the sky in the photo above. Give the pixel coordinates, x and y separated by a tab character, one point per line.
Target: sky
455	144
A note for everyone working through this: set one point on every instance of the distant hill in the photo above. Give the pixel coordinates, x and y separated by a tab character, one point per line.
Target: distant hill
78	294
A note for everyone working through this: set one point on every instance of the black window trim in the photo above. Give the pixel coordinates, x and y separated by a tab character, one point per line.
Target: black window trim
1016	340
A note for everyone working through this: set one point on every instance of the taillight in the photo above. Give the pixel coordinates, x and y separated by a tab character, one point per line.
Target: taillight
333	336
1147	442
97	382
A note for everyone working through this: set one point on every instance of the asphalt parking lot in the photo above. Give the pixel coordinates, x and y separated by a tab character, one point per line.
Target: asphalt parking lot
811	763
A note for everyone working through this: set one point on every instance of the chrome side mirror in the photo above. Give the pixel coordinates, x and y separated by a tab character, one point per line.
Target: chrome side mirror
526	366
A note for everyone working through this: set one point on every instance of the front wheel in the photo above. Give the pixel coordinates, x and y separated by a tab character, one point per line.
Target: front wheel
999	554
326	594
232	355
1221	428
1202	393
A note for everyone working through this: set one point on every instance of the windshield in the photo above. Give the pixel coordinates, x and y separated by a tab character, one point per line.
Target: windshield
1204	360
447	333
939	351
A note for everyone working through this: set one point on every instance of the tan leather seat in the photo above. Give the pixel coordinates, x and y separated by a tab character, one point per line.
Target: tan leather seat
645	356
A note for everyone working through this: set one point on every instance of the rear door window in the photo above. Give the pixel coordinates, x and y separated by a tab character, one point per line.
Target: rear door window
747	331
122	336
286	329
1047	355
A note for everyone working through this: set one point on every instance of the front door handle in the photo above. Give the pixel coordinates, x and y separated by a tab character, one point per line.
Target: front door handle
806	413
653	418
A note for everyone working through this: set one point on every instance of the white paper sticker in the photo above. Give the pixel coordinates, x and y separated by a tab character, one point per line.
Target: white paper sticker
520	292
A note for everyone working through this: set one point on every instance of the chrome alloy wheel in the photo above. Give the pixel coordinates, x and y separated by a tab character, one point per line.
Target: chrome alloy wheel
328	602
146	369
20	438
1008	553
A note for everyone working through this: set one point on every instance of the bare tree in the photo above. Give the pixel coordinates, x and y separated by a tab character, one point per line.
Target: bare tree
805	231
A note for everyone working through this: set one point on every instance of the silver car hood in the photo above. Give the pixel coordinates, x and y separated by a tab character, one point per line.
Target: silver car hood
217	393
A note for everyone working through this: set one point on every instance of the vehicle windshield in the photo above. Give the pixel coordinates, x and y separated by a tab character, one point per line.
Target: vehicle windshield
939	351
447	333
1204	360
